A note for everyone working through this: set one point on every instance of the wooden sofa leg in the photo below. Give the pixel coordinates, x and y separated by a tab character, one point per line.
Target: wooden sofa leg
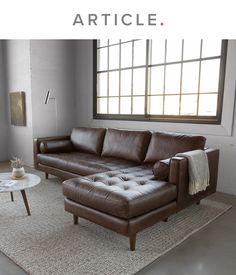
76	219
132	241
46	176
12	198
165	220
198	202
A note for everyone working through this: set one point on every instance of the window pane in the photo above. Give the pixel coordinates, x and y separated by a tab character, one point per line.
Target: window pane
126	77
102	84
209	76
192	49
102	59
157	80
102	105
139	81
126	55
211	47
174	50
190	77
188	105
102	43
172	82
114	57
125	40
125	105
138	105
207	105
114	41
113	105
155	104
158	51
171	105
113	83
140	53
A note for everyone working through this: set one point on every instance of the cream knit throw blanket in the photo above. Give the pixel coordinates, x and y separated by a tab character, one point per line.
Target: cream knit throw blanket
198	170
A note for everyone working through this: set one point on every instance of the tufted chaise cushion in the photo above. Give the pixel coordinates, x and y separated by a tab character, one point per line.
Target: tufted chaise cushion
123	193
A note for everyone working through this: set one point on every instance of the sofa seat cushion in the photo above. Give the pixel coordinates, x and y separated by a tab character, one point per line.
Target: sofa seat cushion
124	193
82	163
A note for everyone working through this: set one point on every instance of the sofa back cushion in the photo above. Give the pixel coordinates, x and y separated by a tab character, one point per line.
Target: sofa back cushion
88	140
124	144
165	145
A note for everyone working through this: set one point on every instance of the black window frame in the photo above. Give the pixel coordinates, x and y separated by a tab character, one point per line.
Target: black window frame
165	118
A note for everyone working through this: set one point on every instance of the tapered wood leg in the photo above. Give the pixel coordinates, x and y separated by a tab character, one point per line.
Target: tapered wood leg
76	219
12	198
165	220
25	201
46	176
132	241
198	202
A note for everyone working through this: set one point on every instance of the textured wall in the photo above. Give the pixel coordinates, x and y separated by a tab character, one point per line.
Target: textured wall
16	57
53	68
3	111
35	67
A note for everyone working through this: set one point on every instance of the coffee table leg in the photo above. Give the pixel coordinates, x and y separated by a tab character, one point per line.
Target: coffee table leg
25	201
12	198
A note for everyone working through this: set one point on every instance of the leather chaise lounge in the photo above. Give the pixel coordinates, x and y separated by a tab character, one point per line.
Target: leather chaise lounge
109	175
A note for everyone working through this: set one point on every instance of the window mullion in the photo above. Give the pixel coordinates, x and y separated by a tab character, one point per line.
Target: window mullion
132	77
164	84
199	78
181	77
108	75
146	79
119	76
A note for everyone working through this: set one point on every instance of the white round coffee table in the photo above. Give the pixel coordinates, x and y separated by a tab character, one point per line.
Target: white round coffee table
10	185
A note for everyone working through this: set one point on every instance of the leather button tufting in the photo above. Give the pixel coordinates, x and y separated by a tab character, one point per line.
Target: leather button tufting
141	182
123	178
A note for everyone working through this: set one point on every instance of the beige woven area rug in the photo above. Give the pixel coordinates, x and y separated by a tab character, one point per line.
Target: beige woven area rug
49	243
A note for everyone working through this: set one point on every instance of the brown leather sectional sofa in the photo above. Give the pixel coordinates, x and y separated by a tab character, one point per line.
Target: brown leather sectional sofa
110	177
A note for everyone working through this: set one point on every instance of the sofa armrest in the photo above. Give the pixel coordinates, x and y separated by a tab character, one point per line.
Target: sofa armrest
179	176
37	141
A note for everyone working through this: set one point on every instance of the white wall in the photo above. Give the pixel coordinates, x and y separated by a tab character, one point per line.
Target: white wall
53	68
3	111
17	75
35	67
218	136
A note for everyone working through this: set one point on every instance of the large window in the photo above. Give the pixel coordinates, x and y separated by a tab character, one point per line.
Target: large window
170	80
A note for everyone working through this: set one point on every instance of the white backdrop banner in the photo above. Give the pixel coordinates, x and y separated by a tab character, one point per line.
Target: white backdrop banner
51	19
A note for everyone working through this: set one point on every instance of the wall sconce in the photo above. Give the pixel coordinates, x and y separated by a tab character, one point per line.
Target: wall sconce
46	101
